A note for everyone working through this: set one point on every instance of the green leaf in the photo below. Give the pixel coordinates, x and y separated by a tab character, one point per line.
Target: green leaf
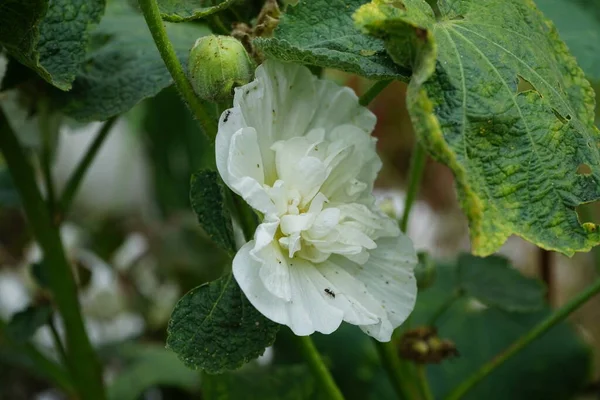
496	96
290	382
207	195
495	283
150	366
24	324
322	33
188	10
578	23
554	367
50	37
124	66
215	328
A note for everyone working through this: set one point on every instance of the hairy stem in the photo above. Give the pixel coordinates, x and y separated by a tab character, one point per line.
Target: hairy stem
373	91
417	166
318	368
83	364
538	331
77	177
167	52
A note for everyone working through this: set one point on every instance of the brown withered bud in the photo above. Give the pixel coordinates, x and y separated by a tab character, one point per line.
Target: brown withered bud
423	346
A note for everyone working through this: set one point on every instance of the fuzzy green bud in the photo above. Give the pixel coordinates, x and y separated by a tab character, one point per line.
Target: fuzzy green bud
217	65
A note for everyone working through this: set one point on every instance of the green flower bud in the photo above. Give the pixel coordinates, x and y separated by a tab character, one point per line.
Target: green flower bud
217	65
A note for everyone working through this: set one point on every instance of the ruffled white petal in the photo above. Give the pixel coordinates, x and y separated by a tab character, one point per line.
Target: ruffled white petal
298	149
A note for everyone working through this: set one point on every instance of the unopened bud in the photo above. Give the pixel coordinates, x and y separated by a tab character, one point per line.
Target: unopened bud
217	65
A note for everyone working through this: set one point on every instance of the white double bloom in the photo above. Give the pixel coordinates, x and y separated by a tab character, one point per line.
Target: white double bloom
298	149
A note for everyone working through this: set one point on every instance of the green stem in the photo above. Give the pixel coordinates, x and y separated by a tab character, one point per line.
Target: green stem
48	137
417	166
397	370
77	177
58	342
424	383
542	328
83	364
373	91
445	306
50	370
320	371
167	52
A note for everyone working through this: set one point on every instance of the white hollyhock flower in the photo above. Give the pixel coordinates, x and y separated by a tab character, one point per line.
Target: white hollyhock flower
298	149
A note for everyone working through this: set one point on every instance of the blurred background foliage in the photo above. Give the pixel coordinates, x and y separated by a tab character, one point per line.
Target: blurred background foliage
137	248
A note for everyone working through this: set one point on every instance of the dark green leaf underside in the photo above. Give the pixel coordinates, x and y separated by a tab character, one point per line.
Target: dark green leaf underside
497	97
494	282
322	33
124	66
188	10
215	328
554	367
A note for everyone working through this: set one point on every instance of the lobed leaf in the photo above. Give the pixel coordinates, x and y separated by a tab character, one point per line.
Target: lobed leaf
322	33
207	195
497	97
49	36
188	10
215	328
495	283
124	66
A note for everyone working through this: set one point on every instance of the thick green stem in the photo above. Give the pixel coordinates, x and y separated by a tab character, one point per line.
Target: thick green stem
77	177
373	91
424	383
167	52
318	368
417	166
542	328
397	370
83	364
48	135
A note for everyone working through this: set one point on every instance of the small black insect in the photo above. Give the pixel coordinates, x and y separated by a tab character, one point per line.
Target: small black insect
330	292
227	114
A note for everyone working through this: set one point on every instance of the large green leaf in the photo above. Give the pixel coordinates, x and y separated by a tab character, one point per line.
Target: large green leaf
207	195
124	66
215	328
188	10
49	36
322	33
578	22
554	367
293	382
496	96
494	282
150	366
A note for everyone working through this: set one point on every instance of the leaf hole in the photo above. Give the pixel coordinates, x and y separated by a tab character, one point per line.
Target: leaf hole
560	117
584	169
589	214
523	85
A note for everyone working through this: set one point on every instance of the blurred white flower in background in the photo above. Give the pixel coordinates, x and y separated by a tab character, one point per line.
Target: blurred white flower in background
298	149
